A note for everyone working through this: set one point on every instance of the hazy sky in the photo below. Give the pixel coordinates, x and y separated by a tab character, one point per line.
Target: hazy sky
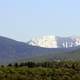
24	19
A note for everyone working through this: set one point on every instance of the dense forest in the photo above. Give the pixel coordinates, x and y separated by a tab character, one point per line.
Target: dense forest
67	70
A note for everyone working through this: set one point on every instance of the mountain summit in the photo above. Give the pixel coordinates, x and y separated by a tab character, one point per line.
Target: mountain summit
43	48
55	42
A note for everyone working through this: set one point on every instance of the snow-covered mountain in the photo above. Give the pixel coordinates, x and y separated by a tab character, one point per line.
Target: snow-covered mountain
55	42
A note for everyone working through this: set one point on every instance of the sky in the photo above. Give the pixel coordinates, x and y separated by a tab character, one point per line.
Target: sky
24	19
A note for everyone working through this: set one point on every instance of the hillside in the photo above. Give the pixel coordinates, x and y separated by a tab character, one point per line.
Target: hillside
12	51
59	56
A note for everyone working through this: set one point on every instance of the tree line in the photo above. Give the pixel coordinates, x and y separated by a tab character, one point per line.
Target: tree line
55	70
54	64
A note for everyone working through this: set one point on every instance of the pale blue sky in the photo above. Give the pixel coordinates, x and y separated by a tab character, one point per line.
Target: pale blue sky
24	19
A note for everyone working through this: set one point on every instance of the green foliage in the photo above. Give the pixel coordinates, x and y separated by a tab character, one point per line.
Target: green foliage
41	71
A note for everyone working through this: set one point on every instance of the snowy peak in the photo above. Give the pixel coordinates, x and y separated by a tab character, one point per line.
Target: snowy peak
55	42
44	41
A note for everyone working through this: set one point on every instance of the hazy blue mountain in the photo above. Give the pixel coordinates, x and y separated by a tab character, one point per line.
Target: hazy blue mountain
12	50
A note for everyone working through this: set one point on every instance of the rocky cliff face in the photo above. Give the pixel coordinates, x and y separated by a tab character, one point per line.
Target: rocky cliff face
55	42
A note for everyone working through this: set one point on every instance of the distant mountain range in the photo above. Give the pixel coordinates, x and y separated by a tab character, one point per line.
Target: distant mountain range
55	42
12	50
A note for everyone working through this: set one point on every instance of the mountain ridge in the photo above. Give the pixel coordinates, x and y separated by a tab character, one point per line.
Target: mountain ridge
55	42
12	51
